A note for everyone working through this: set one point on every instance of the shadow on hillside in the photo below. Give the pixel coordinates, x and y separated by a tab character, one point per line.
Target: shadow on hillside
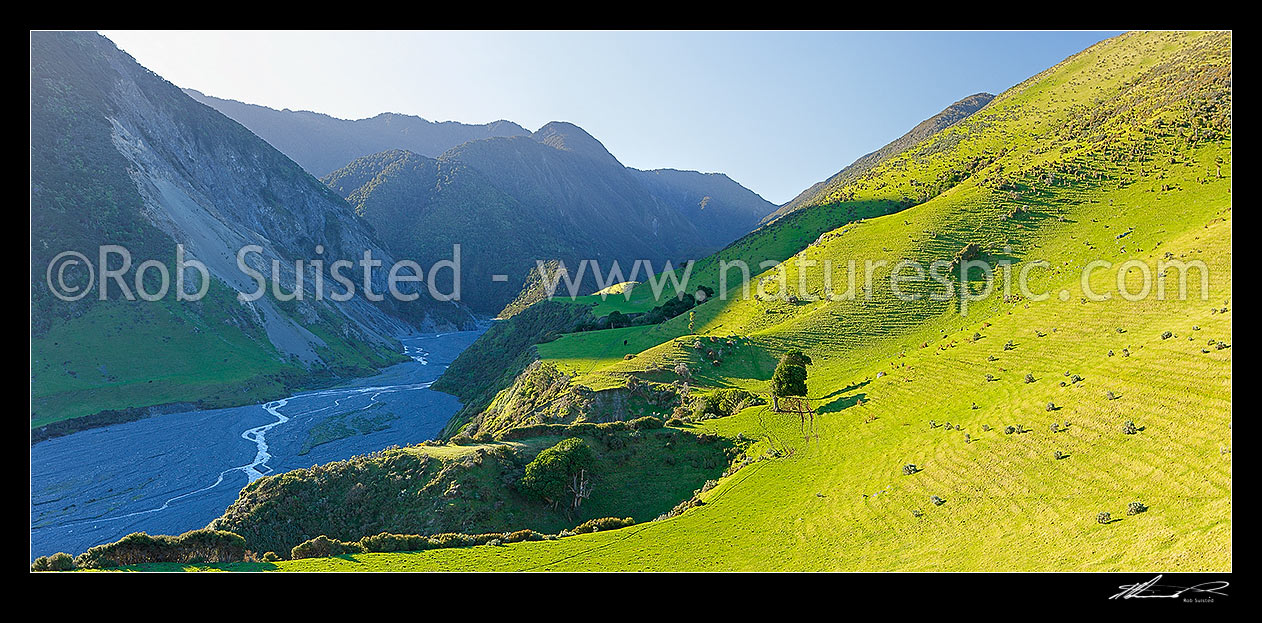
833	406
842	403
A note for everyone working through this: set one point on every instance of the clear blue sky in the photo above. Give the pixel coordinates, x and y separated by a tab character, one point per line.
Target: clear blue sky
776	111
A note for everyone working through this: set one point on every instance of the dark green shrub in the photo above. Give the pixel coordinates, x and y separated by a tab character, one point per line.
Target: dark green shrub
1135	508
645	423
60	561
323	547
549	474
195	546
723	402
602	524
386	542
522	535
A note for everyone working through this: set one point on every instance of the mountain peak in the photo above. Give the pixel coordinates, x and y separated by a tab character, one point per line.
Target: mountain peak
566	136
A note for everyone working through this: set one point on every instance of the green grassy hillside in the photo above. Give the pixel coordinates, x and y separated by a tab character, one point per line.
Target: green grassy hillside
1121	152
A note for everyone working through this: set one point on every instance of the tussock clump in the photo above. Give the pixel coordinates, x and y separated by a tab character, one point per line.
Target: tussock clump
937	501
910	469
1058	455
1129	427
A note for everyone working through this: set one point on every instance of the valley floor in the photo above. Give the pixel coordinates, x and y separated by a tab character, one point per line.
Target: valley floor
172	473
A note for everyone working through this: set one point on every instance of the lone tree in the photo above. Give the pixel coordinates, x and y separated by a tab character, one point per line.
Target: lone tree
789	379
563	468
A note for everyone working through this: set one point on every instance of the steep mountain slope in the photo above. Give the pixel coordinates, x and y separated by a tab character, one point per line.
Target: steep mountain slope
421	207
120	156
322	144
819	192
1120	153
720	208
556	195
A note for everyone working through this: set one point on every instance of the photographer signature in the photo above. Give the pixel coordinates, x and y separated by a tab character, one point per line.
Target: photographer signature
1152	589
